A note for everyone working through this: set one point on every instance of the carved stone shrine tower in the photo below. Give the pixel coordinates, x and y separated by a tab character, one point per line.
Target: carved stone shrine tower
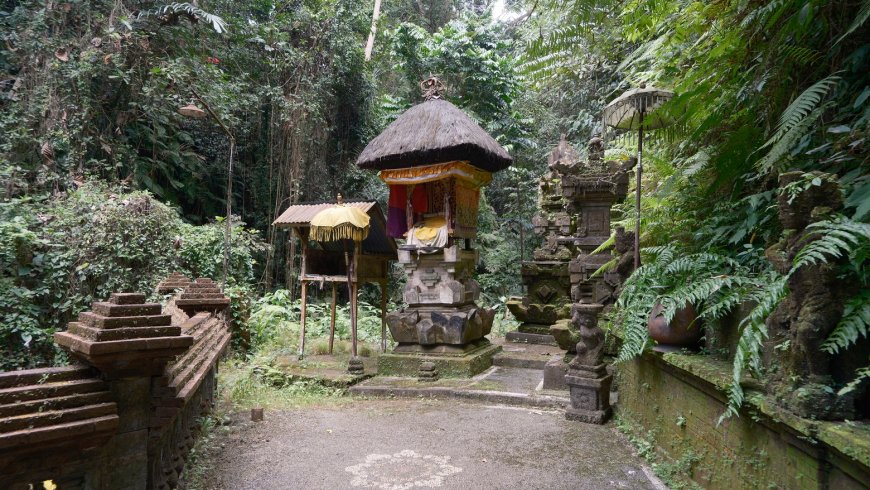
435	160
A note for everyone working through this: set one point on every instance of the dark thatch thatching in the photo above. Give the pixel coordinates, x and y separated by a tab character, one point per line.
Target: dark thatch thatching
433	131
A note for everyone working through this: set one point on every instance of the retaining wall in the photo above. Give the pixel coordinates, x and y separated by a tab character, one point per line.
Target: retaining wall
671	404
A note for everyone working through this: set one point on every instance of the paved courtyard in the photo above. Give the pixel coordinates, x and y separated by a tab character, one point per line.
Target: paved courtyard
404	444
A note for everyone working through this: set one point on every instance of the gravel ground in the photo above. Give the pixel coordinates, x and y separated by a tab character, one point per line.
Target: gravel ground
403	444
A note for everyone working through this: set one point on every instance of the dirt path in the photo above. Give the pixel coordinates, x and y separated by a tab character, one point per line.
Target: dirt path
403	444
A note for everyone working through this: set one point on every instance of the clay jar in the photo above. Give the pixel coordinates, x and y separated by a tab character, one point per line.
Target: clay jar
683	330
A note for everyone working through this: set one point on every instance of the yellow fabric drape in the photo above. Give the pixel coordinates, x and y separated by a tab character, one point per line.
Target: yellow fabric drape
340	223
429	228
429	173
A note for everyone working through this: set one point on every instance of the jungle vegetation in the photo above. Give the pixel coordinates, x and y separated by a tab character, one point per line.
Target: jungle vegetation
104	185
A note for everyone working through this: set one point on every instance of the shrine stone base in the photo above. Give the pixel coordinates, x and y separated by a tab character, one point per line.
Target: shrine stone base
590	394
554	373
451	361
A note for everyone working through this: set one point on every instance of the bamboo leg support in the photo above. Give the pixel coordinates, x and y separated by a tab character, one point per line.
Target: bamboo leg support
302	319
332	319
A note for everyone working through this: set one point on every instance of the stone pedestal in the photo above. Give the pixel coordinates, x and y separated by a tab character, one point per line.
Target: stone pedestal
590	394
473	359
554	373
587	377
546	302
442	324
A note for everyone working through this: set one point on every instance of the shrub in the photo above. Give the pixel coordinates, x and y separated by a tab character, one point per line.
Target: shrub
60	254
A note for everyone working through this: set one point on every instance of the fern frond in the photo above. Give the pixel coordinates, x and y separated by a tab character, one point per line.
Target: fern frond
860	19
862	374
838	237
216	22
635	335
787	141
800	54
604	246
610	264
752	335
802	107
854	324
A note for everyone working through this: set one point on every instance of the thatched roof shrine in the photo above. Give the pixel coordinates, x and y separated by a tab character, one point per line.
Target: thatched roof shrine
433	131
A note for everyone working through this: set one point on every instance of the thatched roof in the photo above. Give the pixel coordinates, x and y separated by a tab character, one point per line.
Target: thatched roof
431	132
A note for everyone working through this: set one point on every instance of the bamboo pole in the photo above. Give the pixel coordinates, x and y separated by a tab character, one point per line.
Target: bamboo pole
302	319
383	316
637	194
332	318
353	299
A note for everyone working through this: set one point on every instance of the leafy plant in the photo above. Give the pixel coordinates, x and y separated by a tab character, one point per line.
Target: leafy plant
713	284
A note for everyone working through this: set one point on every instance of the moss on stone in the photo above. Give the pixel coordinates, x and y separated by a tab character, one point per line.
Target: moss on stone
407	364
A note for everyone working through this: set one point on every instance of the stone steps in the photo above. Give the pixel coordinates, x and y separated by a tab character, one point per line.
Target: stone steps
12	379
52	405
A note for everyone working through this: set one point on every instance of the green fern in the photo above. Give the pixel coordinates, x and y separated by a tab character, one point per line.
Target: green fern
854	325
862	374
713	284
860	19
835	238
216	22
753	331
803	106
783	143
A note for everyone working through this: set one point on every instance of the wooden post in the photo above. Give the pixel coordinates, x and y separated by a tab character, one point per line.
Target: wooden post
303	238
302	319
332	318
353	299
383	316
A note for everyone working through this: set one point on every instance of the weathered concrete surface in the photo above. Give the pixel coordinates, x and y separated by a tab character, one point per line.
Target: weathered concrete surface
450	445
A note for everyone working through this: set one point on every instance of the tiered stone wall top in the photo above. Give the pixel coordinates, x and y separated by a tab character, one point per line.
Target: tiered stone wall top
50	417
203	294
124	336
174	281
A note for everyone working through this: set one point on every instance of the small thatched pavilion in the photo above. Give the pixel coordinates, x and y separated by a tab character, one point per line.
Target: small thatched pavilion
435	160
324	262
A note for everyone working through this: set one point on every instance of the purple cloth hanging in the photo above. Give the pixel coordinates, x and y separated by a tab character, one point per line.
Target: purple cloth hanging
397	224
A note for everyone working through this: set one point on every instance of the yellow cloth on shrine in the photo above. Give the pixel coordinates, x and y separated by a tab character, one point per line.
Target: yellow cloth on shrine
429	229
428	173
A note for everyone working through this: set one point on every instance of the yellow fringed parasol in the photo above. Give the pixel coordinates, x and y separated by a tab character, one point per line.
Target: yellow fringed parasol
340	223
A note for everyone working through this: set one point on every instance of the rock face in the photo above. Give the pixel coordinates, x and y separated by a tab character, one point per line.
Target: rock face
575	198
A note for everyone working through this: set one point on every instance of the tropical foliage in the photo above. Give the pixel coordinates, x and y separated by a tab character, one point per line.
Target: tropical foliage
105	185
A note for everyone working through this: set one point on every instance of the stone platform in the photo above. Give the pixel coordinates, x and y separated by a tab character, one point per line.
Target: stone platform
326	370
498	384
516	377
448	363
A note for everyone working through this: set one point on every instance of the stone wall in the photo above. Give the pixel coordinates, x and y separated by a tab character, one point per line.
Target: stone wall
124	416
672	403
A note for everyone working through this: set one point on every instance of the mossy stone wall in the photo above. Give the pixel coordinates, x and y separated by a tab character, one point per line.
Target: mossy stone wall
672	404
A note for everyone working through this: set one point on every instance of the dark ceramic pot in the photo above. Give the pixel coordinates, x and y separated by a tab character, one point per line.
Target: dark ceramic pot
683	330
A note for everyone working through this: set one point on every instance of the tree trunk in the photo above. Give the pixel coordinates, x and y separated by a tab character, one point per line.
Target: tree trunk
370	44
